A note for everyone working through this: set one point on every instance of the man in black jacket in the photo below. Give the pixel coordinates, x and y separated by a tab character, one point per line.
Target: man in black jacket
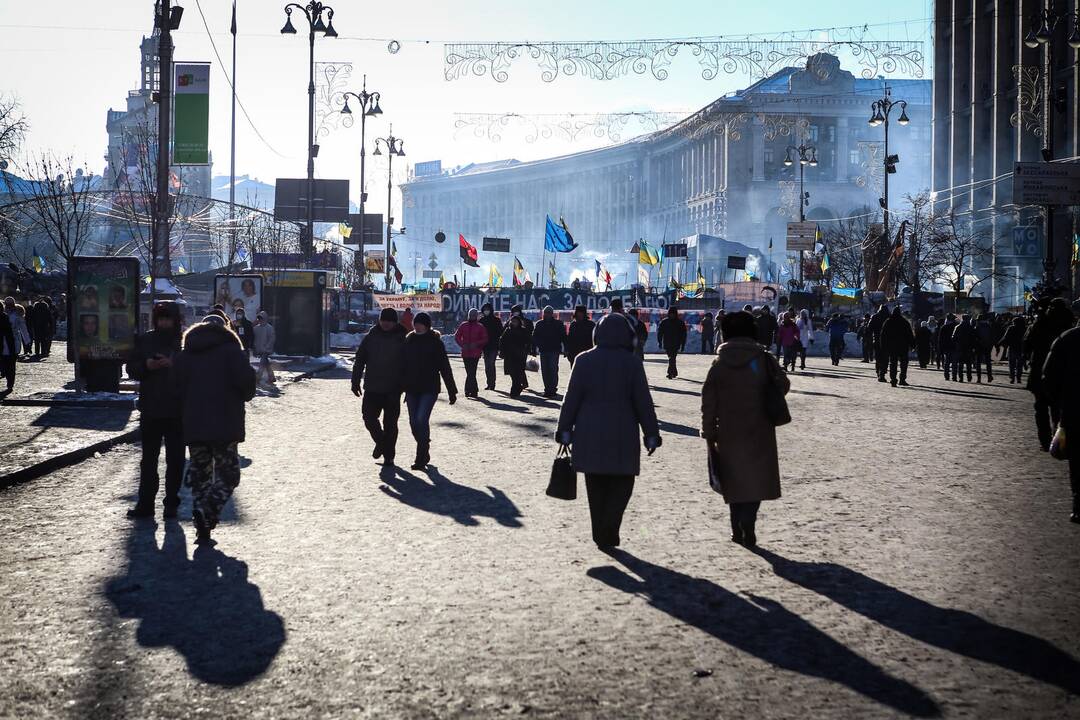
381	354
1054	318
151	364
528	326
708	334
245	331
873	329
897	338
494	327
579	337
9	353
765	323
1061	384
43	326
214	379
549	337
963	349
641	332
671	334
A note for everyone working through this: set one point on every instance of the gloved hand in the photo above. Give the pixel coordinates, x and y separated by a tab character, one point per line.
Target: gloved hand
356	390
564	438
652	442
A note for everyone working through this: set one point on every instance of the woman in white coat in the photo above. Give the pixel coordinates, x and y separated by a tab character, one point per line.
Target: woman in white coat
806	335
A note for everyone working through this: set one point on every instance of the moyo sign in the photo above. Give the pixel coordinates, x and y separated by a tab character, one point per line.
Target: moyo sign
563	300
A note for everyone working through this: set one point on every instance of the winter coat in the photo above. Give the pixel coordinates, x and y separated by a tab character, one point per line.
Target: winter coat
964	337
472	337
1061	381
1039	338
549	336
945	337
381	355
514	346
41	320
1013	338
877	321
158	394
787	335
606	402
8	344
264	339
20	329
245	331
806	331
923	340
707	325
494	327
737	429
766	328
897	337
837	328
671	334
579	337
641	333
214	379
984	335
423	361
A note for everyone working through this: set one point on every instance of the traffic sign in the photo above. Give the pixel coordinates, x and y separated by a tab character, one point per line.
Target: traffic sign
432	264
432	274
1043	183
1027	241
801	236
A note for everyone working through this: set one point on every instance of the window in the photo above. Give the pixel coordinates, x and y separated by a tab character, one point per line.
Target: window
814	134
769	156
831	133
854	157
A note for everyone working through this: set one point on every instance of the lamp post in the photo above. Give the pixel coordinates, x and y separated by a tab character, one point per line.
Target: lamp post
394	146
807	155
881	110
369	107
313	13
167	19
1048	20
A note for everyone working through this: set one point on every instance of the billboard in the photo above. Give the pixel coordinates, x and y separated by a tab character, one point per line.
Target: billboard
330	204
104	306
191	114
239	291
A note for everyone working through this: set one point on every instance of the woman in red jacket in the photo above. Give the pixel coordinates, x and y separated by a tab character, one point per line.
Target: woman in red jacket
788	337
471	336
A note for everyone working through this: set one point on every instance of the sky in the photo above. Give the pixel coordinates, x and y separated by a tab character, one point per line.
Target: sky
69	61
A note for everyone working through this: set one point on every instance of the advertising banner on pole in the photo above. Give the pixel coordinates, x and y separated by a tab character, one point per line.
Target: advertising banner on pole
104	301
191	114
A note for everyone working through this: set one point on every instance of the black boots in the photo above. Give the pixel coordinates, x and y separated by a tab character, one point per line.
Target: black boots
423	455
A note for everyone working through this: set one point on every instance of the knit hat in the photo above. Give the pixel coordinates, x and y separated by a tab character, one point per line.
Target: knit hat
422	318
388	315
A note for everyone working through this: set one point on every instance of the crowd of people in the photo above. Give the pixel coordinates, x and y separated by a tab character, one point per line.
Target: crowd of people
26	334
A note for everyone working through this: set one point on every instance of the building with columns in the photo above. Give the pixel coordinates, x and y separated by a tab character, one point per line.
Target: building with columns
991	110
718	172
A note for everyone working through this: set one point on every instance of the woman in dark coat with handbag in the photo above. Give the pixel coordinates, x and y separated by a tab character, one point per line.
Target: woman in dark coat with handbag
606	402
514	346
737	427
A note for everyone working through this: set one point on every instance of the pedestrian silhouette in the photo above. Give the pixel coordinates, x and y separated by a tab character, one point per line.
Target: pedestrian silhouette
205	607
441	496
764	628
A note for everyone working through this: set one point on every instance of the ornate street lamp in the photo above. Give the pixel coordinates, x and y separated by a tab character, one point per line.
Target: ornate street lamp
369	107
1048	21
394	147
806	155
313	13
882	109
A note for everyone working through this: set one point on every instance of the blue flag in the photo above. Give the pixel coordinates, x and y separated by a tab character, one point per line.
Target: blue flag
557	238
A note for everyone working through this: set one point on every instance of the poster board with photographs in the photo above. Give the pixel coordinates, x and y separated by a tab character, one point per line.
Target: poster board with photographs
239	291
104	306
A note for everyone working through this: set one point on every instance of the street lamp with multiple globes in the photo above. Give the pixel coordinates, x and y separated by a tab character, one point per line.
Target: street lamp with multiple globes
313	13
1048	21
394	147
881	109
369	107
807	155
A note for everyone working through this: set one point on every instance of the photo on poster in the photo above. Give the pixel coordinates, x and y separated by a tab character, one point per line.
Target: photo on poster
239	291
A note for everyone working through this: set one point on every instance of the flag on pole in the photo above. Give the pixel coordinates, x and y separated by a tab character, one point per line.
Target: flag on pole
603	276
551	272
241	254
648	255
467	252
825	262
39	262
557	238
519	273
344	230
442	281
643	276
393	248
232	28
495	278
700	278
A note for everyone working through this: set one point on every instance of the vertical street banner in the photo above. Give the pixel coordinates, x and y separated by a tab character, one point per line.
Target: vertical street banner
191	114
104	302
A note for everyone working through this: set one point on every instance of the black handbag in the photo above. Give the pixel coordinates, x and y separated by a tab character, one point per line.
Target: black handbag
563	483
776	408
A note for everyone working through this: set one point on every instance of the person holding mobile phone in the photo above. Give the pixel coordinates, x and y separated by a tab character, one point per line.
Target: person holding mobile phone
159	411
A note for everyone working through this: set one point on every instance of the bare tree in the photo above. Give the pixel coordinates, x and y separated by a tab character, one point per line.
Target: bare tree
13	127
960	251
920	259
59	205
844	242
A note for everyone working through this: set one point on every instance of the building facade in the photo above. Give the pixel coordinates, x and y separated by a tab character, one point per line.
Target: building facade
719	172
991	110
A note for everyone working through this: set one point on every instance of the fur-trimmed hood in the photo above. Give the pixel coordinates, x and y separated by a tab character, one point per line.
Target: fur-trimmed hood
207	336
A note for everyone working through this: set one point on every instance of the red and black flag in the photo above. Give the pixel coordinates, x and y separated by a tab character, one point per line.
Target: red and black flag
468	252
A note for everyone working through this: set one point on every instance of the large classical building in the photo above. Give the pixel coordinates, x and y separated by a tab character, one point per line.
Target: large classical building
990	111
719	172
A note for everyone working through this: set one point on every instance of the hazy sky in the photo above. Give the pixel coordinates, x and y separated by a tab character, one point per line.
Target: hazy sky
69	61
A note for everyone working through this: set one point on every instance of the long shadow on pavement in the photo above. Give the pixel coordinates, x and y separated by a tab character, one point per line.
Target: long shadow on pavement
441	496
764	628
673	391
81	418
205	608
957	631
501	406
960	393
677	429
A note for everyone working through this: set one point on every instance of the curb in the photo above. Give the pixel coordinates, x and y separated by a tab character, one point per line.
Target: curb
66	459
42	402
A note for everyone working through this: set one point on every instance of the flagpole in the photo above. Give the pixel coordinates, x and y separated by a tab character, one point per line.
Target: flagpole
232	148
